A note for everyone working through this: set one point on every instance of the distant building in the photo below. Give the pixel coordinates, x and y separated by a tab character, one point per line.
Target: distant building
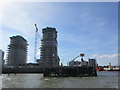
2	57
17	51
49	56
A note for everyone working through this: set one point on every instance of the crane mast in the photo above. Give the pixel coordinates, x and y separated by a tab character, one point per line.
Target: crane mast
35	48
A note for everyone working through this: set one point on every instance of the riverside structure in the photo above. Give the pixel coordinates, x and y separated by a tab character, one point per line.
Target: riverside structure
48	64
49	55
17	51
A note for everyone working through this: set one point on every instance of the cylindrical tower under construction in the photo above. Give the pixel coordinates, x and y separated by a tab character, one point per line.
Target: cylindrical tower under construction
17	51
49	54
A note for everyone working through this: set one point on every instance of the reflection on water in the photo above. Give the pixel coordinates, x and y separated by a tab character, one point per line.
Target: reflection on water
103	80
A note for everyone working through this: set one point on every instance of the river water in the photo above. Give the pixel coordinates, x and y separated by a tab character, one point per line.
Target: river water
103	80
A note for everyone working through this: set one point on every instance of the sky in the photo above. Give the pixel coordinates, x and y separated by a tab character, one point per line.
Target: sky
83	27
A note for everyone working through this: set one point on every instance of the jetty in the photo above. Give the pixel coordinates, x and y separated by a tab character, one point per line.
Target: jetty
65	71
68	71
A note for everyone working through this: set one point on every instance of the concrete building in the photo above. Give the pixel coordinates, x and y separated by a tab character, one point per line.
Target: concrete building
2	57
2	61
49	56
17	51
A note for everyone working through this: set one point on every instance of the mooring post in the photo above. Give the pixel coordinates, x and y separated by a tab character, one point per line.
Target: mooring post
44	72
8	71
95	72
77	71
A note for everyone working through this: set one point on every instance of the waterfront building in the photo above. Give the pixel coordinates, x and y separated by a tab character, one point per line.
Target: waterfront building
110	66
49	53
2	57
17	51
2	61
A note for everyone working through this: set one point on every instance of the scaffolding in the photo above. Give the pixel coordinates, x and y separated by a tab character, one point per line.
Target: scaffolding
17	51
49	54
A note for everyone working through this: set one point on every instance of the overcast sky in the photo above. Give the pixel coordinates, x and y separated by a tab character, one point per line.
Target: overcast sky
90	28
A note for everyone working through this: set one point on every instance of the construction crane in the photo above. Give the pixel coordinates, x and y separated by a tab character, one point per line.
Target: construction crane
72	61
82	55
35	48
75	58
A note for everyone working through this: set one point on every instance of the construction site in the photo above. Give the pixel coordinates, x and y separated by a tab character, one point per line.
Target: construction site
17	51
49	61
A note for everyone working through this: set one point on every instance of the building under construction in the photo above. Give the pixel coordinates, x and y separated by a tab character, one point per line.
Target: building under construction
17	51
49	56
49	59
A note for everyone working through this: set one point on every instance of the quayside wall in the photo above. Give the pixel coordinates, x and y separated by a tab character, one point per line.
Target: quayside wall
21	70
67	71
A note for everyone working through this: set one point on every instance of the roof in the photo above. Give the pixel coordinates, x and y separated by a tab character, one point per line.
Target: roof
18	36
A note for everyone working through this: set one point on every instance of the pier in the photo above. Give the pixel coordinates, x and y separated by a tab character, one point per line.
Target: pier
21	70
65	71
68	71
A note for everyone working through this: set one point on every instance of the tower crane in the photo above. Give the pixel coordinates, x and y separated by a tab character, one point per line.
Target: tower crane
35	47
